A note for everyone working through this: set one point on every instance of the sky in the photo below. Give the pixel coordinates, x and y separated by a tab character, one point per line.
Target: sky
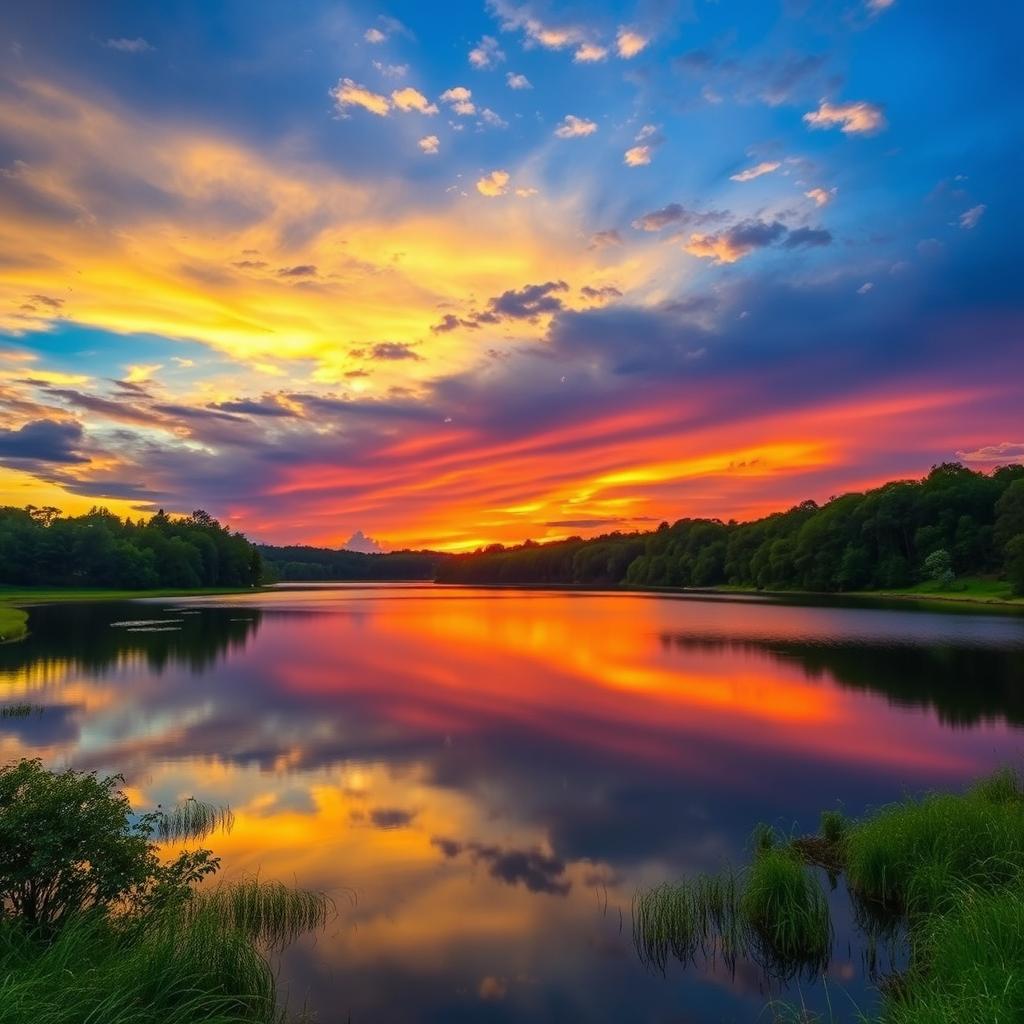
419	276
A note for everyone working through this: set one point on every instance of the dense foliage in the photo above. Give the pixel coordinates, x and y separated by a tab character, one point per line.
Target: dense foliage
41	547
953	522
97	926
301	562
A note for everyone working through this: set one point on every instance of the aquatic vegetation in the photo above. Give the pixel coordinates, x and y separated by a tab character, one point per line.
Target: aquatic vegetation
787	911
943	874
191	819
774	912
18	710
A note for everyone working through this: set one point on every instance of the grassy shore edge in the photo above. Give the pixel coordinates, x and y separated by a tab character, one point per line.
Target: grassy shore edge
14	601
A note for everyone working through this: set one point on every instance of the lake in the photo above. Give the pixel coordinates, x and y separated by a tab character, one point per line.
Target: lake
481	779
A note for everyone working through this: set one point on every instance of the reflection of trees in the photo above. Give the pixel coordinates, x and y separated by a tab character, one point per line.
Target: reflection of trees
964	685
81	636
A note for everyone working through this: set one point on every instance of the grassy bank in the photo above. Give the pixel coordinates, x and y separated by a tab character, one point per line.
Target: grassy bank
13	624
974	590
942	875
13	601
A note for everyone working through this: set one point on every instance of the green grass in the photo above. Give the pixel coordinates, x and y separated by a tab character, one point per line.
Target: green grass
967	590
14	620
787	911
50	595
913	854
942	875
13	624
968	964
774	912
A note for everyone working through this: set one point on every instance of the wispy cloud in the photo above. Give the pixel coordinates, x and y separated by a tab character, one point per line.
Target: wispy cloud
123	45
486	54
573	127
765	167
514	81
857	118
969	218
348	93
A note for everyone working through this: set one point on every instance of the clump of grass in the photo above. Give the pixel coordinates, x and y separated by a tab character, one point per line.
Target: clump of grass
17	710
787	911
774	912
192	819
966	964
269	913
913	854
834	826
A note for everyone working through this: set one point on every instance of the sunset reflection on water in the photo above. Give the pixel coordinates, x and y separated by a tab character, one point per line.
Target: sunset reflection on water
481	779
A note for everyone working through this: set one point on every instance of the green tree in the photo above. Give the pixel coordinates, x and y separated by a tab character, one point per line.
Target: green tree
938	566
69	845
1015	564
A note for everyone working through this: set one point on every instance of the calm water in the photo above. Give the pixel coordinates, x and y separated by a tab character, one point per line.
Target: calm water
482	778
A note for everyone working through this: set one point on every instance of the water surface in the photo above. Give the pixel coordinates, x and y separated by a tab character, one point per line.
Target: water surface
482	778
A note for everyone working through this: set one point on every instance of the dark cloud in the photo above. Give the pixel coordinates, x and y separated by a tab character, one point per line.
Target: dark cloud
266	406
807	236
302	270
42	441
115	410
526	303
679	216
47	300
387	350
390	817
529	302
606	292
538	871
258	265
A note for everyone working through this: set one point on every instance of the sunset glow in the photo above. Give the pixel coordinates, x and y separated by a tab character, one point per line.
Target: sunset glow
527	271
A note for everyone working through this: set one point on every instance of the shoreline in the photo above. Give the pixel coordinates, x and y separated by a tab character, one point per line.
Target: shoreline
15	600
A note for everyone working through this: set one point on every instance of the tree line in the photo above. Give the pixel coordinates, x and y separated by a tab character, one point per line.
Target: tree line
302	562
42	547
954	522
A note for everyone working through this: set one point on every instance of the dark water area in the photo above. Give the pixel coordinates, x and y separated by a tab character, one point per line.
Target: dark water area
482	779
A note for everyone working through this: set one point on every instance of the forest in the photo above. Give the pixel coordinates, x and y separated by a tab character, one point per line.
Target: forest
302	562
954	522
40	547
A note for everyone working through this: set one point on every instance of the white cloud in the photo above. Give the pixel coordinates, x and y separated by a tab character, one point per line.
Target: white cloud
1004	452
137	45
374	35
877	6
391	70
589	53
493	184
821	196
460	99
646	132
551	37
491	119
525	193
969	218
573	127
857	118
360	542
410	99
637	156
351	94
629	42
765	167
430	144
517	81
486	54
866	287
